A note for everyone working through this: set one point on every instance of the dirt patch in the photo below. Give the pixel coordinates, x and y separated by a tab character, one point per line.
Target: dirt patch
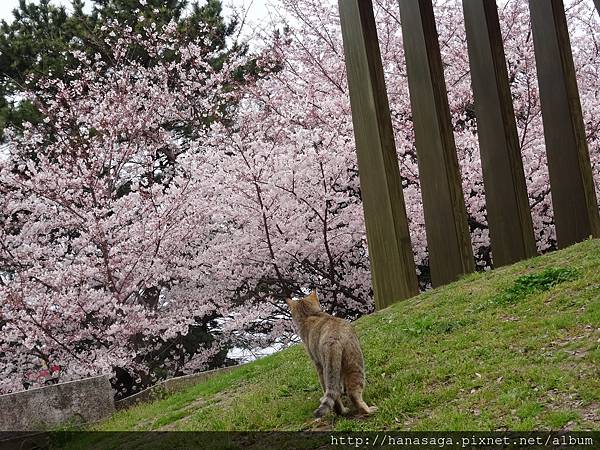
589	412
324	424
582	333
572	344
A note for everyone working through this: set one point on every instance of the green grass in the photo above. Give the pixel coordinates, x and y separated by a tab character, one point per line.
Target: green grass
516	348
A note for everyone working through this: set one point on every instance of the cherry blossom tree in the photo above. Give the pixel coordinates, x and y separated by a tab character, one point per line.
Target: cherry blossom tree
287	172
100	218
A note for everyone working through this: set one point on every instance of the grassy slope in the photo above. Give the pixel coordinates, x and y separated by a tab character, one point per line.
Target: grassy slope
487	352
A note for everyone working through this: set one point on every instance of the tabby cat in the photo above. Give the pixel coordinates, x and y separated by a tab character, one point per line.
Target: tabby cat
334	349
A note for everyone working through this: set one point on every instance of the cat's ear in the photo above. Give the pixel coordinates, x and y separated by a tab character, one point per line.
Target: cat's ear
314	299
289	302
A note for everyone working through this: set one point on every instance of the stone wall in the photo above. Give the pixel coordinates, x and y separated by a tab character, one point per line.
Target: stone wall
81	401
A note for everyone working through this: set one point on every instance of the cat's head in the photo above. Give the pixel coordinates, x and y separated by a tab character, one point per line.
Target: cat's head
308	306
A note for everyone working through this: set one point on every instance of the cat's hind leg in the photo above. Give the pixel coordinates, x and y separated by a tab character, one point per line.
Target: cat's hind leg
361	406
332	371
354	388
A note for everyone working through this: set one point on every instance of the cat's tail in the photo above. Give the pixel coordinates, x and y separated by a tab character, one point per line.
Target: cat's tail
332	373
